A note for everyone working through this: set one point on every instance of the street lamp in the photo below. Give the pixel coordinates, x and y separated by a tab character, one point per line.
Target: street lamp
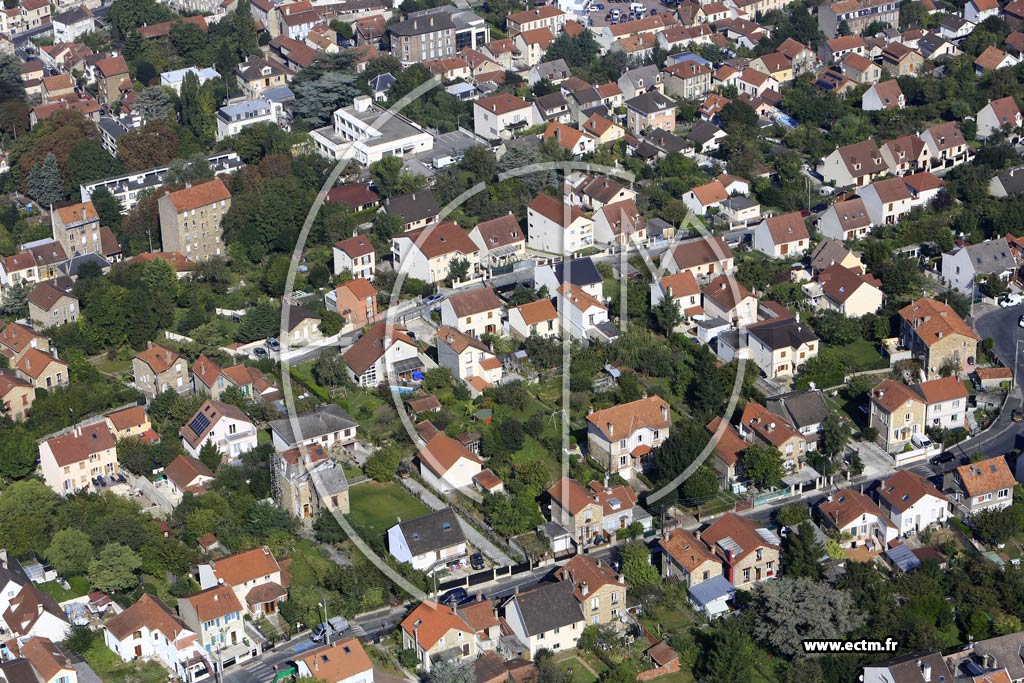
327	625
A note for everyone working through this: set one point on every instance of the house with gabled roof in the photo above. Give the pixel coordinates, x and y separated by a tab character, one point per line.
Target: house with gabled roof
427	540
897	412
584	315
435	631
622	437
831	252
499	114
157	369
49	306
501	240
556	227
547	616
886	201
650	110
760	425
855	164
33	613
597	587
427	253
49	661
704	197
16	396
780	346
964	266
221	424
856	517
978	486
572	140
474	312
845	220
42	370
356	301
356	255
686	558
704	258
911	502
946	144
215	616
147	630
884	95
749	553
782	236
684	291
17	339
382	350
725	298
906	153
343	661
576	509
852	293
327	426
70	461
946	402
256	577
620	223
860	69
1000	116
467	357
534	318
186	474
447	465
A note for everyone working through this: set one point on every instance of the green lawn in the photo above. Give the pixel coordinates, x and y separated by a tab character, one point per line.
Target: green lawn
579	673
862	355
111	669
79	587
376	507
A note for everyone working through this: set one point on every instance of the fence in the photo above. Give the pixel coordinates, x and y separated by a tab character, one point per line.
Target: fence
765	498
486	576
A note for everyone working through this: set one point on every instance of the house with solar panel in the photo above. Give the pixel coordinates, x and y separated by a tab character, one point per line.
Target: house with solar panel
749	553
223	425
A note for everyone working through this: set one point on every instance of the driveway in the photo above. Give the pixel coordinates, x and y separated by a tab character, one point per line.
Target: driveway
475	538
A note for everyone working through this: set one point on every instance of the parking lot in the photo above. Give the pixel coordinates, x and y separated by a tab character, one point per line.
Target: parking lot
600	16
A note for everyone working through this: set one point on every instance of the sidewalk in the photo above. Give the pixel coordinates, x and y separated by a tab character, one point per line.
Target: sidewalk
475	537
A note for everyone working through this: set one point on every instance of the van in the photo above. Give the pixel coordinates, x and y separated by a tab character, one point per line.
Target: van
637	8
615	14
337	626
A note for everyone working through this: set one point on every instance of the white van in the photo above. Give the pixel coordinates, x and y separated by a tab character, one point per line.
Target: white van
637	7
615	14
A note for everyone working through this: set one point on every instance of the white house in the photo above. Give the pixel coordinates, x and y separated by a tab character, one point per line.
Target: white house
977	11
381	351
69	26
704	197
620	223
782	236
557	228
886	201
781	346
371	133
997	116
547	617
963	266
537	317
356	255
221	424
447	465
428	540
856	516
174	79
683	289
474	312
726	298
500	115
31	612
149	631
500	240
581	272
622	437
468	358
911	502
427	253
846	220
581	311
945	402
702	257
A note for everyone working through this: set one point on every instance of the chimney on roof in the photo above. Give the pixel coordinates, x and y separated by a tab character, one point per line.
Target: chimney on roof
611	429
83	212
664	413
584	589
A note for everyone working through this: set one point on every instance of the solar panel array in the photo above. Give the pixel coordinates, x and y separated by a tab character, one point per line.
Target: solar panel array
199	423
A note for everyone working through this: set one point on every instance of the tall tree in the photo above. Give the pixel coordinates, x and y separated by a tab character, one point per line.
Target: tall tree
90	162
153	103
762	465
789	611
835	436
45	184
732	654
636	565
70	551
244	30
154	144
801	552
114	569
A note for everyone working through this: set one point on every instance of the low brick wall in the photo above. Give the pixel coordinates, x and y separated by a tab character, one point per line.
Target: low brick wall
650	674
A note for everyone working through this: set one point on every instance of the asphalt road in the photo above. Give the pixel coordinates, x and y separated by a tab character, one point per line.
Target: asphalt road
1001	325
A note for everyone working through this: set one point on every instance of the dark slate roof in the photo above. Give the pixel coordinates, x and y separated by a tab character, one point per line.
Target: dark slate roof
802	408
323	420
703	132
1012	181
18	671
650	102
1007	651
907	669
582	271
549	606
382	82
667	142
437	530
296	314
781	334
413	207
420	25
11	571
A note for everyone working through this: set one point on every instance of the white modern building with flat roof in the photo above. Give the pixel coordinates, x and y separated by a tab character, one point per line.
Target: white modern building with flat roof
367	133
174	79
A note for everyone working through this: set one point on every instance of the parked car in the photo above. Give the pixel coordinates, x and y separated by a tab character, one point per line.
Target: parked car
1020	323
1011	300
433	300
335	626
260	352
943	458
455	597
476	561
1017	415
273	344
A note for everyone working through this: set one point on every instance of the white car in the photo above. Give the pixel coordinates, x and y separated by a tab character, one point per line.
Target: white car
1011	300
1020	323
